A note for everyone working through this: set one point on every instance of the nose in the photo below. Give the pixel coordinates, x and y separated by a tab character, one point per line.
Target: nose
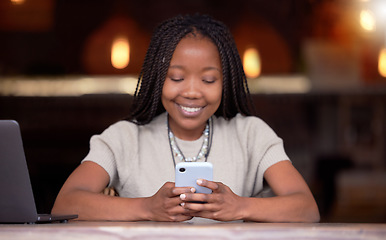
192	88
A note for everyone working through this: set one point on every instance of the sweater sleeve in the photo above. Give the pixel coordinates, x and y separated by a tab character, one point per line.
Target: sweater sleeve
101	154
264	148
107	149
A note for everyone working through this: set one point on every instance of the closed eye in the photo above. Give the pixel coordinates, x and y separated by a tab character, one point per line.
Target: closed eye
176	79
209	80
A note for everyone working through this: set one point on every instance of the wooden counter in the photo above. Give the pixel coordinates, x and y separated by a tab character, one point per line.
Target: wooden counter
151	230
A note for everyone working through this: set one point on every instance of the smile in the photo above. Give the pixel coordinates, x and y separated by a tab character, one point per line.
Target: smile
191	109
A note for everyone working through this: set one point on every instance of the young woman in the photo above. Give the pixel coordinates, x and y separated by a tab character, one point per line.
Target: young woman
191	104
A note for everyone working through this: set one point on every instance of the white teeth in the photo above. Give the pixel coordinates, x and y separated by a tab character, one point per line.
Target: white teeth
188	109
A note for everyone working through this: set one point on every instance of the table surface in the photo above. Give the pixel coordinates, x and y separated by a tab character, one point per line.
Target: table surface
185	231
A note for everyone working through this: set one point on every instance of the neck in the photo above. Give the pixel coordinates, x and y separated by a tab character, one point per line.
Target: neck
204	151
186	134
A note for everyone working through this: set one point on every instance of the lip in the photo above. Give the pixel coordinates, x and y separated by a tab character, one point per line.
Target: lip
190	111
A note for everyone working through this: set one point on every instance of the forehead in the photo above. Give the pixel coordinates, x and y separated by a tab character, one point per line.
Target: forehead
196	37
196	47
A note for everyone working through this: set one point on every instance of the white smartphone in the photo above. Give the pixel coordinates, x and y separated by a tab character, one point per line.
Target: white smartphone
187	173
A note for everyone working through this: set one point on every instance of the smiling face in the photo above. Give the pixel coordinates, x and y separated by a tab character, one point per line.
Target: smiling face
192	89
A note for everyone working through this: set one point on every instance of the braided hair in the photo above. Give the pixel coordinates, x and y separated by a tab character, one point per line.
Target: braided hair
147	98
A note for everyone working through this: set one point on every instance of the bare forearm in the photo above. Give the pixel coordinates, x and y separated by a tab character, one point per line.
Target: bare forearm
296	207
94	206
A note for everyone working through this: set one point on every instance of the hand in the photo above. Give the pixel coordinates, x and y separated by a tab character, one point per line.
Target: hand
165	204
222	204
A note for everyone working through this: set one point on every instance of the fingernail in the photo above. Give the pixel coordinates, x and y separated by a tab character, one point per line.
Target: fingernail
199	181
182	204
182	196
193	190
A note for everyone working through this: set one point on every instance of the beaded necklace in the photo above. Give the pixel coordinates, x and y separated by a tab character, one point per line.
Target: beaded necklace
205	148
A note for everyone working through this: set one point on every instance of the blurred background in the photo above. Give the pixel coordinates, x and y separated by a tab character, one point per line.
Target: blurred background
316	69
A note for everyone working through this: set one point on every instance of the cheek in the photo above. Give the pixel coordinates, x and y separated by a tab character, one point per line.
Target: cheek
216	96
167	91
165	96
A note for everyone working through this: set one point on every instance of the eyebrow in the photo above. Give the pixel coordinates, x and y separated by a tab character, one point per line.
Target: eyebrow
205	68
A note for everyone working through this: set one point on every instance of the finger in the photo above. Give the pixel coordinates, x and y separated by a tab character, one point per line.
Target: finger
195	208
173	202
166	189
196	197
203	214
177	214
178	209
181	217
208	184
169	190
180	190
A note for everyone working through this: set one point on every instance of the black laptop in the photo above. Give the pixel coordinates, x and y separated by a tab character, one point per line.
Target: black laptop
17	203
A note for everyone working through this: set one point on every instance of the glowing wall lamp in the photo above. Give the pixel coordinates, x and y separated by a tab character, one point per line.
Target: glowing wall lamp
120	52
17	2
367	20
252	63
382	62
118	46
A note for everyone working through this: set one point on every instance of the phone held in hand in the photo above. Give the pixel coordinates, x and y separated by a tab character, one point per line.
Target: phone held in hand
187	174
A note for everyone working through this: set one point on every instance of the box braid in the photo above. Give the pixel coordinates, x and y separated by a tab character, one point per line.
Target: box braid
147	97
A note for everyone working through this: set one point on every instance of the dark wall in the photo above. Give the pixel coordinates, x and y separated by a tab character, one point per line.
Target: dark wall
57	49
56	133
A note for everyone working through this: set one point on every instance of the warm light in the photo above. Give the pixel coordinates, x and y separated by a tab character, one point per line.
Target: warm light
367	20
17	2
252	63
120	53
380	9
382	62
